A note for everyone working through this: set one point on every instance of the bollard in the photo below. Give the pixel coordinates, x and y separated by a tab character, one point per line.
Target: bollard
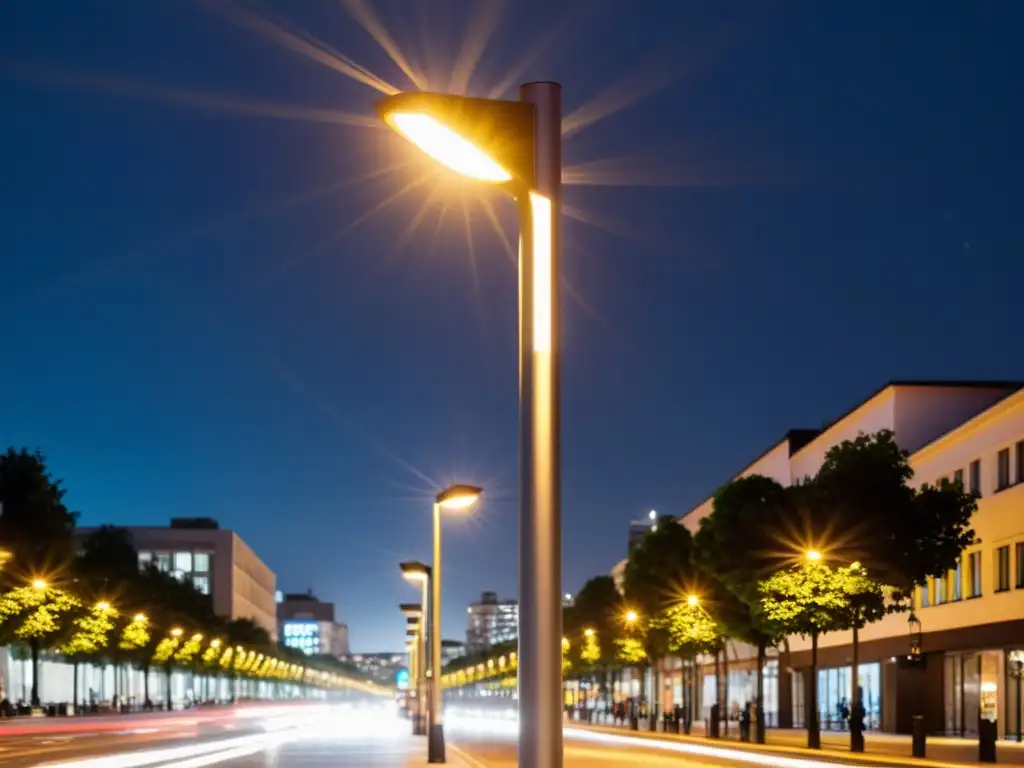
713	724
987	741
918	741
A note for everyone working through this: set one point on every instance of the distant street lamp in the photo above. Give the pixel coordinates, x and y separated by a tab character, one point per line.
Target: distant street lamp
631	617
518	146
418	573
453	498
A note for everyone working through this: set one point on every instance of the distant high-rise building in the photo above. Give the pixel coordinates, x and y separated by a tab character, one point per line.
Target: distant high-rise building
308	624
640	528
490	622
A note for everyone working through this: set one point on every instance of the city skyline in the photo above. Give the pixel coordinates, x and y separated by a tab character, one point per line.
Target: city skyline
205	328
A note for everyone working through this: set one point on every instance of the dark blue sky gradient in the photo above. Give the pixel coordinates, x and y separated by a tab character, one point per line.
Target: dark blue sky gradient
842	215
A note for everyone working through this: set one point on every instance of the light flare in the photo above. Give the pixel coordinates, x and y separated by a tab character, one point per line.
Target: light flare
368	20
448	148
482	24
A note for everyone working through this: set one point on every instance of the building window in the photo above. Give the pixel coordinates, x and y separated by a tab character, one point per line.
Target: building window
976	477
1003	474
1020	461
940	590
1003	569
926	589
202	584
974	574
201	562
163	561
1019	552
958	477
145	560
958	580
183	562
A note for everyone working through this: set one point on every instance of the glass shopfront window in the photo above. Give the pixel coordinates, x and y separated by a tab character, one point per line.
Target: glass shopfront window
835	694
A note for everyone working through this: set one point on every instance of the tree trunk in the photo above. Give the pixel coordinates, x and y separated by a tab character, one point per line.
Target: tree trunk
762	653
170	702
715	728
34	646
652	706
856	710
813	722
145	687
74	686
724	709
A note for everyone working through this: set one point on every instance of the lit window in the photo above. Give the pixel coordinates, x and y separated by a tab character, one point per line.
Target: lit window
201	562
958	580
183	562
163	561
202	584
145	560
926	589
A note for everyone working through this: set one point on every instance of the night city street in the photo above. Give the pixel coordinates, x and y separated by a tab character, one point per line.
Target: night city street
511	384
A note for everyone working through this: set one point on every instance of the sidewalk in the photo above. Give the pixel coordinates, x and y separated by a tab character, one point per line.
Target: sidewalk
880	748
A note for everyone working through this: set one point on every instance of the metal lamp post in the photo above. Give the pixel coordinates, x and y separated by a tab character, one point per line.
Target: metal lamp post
518	146
418	573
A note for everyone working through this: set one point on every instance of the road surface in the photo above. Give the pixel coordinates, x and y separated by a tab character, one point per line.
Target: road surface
320	736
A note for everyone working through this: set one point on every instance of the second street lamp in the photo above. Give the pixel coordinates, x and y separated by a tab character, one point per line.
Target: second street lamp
419	573
518	146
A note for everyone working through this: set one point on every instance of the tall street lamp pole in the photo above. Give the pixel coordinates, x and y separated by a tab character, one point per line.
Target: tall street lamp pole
455	497
518	146
418	573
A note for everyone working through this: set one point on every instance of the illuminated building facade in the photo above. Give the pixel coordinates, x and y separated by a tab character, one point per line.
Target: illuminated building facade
308	624
215	561
490	622
954	668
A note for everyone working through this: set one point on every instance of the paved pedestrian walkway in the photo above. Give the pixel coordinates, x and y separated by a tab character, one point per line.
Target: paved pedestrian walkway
880	748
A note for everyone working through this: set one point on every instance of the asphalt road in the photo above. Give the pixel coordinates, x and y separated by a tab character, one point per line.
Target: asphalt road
312	736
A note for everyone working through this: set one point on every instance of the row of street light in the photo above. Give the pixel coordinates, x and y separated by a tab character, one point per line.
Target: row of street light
518	147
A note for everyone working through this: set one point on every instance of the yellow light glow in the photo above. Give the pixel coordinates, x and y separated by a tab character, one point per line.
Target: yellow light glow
693	600
540	207
215	643
588	632
176	632
813	555
448	148
102	605
460	502
140	617
39	584
631	616
416	577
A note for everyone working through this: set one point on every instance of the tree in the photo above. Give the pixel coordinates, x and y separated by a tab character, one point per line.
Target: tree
659	573
812	599
736	546
871	515
91	630
35	525
35	615
598	607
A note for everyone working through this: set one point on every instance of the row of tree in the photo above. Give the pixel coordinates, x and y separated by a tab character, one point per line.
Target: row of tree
830	553
90	602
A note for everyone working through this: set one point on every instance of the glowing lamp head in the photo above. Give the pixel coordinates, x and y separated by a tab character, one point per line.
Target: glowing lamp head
458	497
176	631
447	147
415	572
39	584
103	605
482	139
693	601
652	515
139	618
631	617
813	555
588	632
215	643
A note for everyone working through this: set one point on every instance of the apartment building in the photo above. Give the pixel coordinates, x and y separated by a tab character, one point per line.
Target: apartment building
969	621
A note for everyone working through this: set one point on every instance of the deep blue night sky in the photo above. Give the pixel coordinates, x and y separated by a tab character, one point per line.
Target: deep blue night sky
834	210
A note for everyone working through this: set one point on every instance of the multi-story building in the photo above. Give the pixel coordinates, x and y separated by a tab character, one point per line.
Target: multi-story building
490	622
216	561
308	624
970	620
381	668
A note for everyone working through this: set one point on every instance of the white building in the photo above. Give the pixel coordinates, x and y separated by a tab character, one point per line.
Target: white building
216	561
490	622
971	619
